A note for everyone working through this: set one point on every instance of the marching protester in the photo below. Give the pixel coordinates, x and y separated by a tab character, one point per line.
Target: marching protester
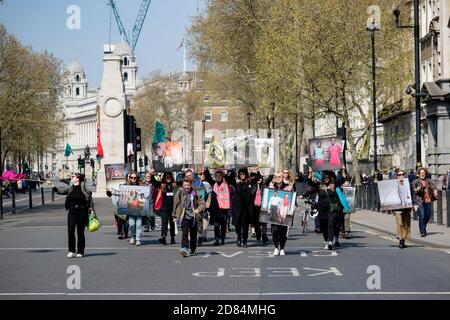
329	204
425	193
220	202
241	207
134	221
187	208
403	219
289	179
78	204
279	232
166	187
149	221
256	192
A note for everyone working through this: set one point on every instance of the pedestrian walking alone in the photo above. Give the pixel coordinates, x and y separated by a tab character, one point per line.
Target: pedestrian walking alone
78	204
425	193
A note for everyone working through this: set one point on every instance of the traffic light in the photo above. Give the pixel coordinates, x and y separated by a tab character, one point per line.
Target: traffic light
342	132
138	139
141	164
80	163
146	161
92	163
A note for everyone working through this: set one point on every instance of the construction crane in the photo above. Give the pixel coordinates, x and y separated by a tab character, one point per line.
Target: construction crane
142	13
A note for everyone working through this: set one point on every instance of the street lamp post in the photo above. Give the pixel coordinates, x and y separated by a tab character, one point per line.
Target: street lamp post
203	138
418	94
247	151
373	28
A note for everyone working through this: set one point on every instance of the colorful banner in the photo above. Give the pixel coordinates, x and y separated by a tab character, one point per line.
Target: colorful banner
394	194
167	156
278	207
326	153
115	171
132	200
349	194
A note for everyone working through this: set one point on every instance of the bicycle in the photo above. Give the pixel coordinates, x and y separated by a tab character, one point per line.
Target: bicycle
308	214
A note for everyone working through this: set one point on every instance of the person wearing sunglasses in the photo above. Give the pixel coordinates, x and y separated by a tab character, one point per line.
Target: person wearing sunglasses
328	203
78	204
149	221
134	222
425	193
279	232
403	217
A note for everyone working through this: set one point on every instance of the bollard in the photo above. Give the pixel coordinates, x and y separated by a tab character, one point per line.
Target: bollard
364	195
447	198
13	195
30	198
53	195
439	215
42	195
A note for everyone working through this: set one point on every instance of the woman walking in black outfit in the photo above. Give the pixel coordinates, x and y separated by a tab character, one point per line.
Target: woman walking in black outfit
167	187
329	204
78	203
241	207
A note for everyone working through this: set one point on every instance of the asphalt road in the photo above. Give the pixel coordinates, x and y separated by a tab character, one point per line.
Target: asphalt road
34	265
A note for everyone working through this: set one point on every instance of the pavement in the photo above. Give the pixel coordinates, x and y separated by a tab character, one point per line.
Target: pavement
369	265
438	236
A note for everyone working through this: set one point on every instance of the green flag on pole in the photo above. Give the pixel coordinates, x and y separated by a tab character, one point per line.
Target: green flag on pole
160	133
68	151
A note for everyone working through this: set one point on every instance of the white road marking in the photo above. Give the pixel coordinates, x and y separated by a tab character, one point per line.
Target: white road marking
173	294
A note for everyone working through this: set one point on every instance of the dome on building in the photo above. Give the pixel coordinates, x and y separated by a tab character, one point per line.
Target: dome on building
75	67
123	49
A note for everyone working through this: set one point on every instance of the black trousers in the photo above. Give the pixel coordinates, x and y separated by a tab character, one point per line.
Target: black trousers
189	228
77	219
329	226
279	235
122	226
166	218
220	230
242	226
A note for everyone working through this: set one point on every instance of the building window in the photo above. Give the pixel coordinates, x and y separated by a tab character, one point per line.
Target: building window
77	91
208	136
125	76
126	61
223	98
77	78
206	98
224	116
208	116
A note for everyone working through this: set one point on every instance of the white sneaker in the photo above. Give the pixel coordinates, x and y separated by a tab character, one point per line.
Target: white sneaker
138	243
282	253
276	252
330	245
184	252
79	255
326	246
132	241
70	255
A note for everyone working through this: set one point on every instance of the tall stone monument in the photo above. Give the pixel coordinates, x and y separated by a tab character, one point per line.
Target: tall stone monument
112	106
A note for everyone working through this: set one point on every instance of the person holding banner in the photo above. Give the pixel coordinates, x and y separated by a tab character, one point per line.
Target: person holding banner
150	220
220	202
329	203
164	204
187	208
403	217
78	204
279	232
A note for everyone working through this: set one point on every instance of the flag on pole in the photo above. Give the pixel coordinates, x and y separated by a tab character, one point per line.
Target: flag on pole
100	153
181	45
160	133
68	151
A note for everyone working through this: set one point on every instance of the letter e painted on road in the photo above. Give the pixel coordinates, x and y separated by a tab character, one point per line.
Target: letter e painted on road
247	272
74	280
374	281
285	272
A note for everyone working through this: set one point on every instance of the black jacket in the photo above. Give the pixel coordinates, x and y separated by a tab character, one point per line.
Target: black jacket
67	191
327	197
